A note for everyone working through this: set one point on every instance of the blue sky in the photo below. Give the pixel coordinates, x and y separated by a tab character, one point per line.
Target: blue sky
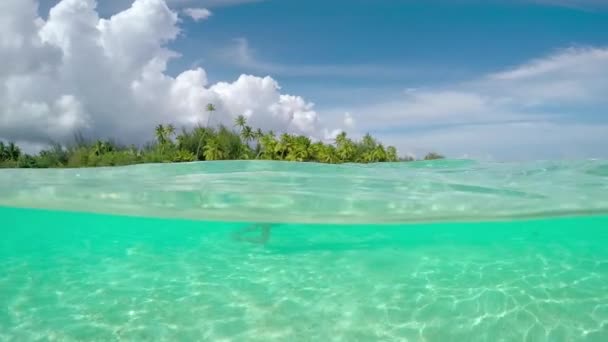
386	44
459	76
404	44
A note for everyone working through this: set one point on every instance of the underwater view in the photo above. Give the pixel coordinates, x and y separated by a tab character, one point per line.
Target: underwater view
446	250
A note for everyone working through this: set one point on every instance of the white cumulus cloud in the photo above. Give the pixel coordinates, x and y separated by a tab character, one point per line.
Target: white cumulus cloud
349	121
105	77
197	14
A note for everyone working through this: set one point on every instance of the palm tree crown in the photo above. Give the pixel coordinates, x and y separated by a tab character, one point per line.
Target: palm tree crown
161	134
240	121
247	134
209	108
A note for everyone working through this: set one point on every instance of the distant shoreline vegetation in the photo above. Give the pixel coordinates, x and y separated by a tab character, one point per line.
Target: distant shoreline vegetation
205	143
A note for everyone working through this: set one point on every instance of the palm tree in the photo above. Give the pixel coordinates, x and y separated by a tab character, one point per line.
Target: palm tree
378	153
183	156
314	150
341	138
3	153
258	133
161	134
240	122
346	150
299	150
368	141
210	108
300	153
169	131
245	153
101	147
247	134
283	145
268	143
212	150
9	152
367	157
327	154
345	147
391	154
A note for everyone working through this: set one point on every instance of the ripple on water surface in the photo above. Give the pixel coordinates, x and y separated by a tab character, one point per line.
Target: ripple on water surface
262	191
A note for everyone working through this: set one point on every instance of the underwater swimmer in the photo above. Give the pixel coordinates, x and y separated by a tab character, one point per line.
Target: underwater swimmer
263	228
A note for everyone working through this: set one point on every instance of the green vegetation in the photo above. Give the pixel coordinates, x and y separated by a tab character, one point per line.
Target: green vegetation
433	156
205	143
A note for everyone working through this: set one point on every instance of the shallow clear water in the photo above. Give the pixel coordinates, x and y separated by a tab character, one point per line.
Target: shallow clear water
306	192
537	276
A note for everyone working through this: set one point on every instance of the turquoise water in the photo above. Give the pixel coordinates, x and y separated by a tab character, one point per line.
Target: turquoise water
441	251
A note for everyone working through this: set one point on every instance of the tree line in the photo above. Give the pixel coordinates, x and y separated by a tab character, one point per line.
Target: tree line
240	142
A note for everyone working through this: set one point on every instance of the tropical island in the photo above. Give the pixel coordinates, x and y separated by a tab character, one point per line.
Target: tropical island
205	143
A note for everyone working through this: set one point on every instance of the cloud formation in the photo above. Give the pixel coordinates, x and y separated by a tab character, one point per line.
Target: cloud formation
550	106
197	14
577	4
108	7
242	55
208	3
106	78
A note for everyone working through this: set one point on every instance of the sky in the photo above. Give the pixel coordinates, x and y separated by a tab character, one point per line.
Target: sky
495	79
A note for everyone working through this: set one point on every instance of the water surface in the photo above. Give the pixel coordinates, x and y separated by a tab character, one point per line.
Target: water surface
447	251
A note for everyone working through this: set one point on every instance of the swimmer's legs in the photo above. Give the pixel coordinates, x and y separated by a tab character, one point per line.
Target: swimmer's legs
265	236
263	228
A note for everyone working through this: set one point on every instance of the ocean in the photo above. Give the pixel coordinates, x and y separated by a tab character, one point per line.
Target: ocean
452	250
